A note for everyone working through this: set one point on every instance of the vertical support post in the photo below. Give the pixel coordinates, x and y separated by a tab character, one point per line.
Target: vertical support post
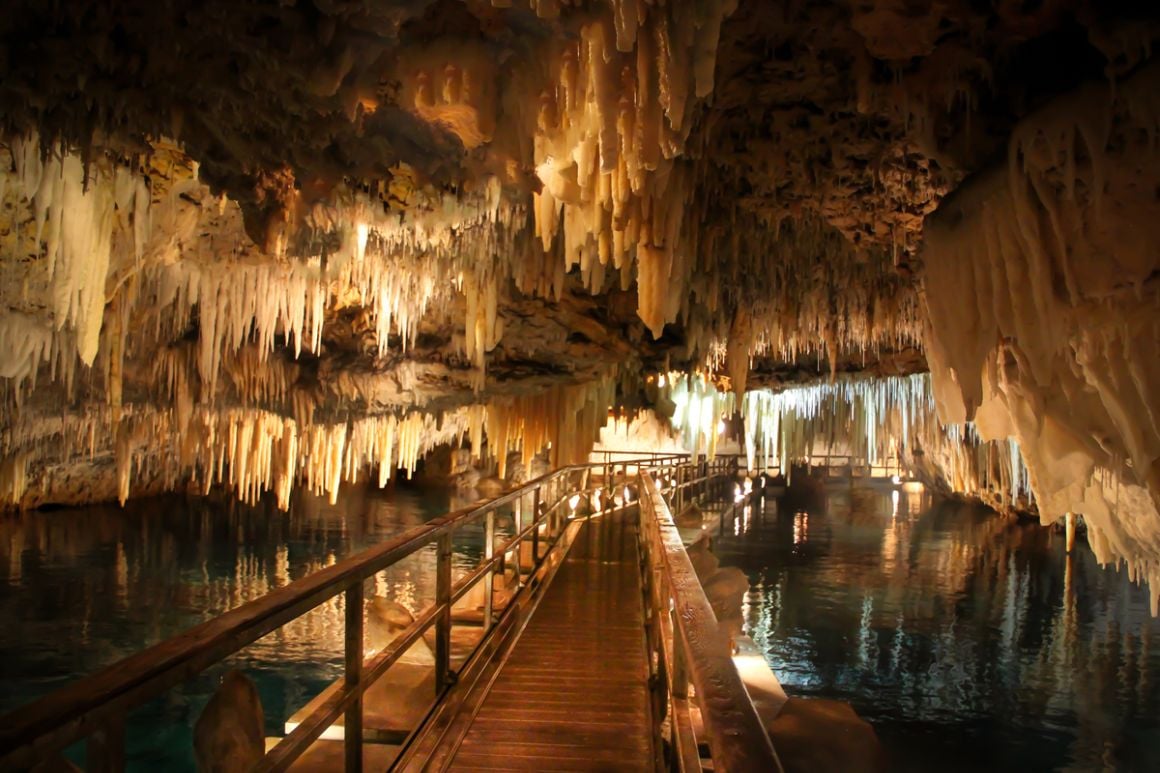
1069	520
518	579
489	578
443	621
353	719
536	528
105	748
679	679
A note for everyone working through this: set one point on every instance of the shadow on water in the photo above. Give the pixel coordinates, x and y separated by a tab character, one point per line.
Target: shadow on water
970	641
81	588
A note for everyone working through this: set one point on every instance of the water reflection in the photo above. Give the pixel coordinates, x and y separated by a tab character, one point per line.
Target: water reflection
86	587
969	641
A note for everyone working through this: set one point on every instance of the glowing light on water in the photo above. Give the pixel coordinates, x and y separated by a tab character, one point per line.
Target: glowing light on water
801	527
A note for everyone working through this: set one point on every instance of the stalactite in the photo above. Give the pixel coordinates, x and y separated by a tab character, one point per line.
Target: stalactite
877	419
1041	304
700	407
250	451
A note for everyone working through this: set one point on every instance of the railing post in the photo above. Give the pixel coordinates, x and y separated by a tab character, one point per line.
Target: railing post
105	748
443	621
489	578
518	579
353	719
680	675
536	528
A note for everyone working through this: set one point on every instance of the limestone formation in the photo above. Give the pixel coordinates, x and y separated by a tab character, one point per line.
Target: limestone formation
253	246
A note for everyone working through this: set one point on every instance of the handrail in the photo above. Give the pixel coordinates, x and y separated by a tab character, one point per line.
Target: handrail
94	706
691	646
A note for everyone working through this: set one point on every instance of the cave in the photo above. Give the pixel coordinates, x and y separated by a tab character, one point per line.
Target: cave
275	271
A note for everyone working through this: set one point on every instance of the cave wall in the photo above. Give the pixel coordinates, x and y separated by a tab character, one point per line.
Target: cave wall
1043	308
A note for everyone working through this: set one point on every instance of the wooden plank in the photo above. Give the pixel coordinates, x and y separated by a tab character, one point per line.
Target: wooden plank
353	719
547	761
555	750
574	693
437	741
567	737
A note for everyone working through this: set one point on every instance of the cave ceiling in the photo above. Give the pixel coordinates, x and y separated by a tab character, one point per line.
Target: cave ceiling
472	199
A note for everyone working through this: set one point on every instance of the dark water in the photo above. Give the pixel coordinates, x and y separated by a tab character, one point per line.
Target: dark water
82	588
969	641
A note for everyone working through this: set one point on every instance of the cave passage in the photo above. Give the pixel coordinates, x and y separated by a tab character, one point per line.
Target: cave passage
267	267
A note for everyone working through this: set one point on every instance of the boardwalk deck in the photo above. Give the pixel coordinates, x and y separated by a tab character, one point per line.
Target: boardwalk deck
573	694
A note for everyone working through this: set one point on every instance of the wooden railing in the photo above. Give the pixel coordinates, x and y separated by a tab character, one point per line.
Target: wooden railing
688	646
94	707
843	465
682	629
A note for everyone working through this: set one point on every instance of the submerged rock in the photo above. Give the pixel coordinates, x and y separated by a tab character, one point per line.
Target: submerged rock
824	736
691	517
229	733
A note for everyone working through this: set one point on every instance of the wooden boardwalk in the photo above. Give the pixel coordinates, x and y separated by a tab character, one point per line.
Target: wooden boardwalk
573	693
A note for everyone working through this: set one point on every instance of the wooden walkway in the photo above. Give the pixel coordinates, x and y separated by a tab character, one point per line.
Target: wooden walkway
573	693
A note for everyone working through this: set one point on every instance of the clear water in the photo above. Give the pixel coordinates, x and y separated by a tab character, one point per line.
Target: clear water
82	588
969	641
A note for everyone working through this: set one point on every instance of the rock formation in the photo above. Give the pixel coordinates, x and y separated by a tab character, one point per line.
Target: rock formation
254	246
229	734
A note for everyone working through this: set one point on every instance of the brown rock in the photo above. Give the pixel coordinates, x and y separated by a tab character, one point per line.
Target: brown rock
817	735
229	733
